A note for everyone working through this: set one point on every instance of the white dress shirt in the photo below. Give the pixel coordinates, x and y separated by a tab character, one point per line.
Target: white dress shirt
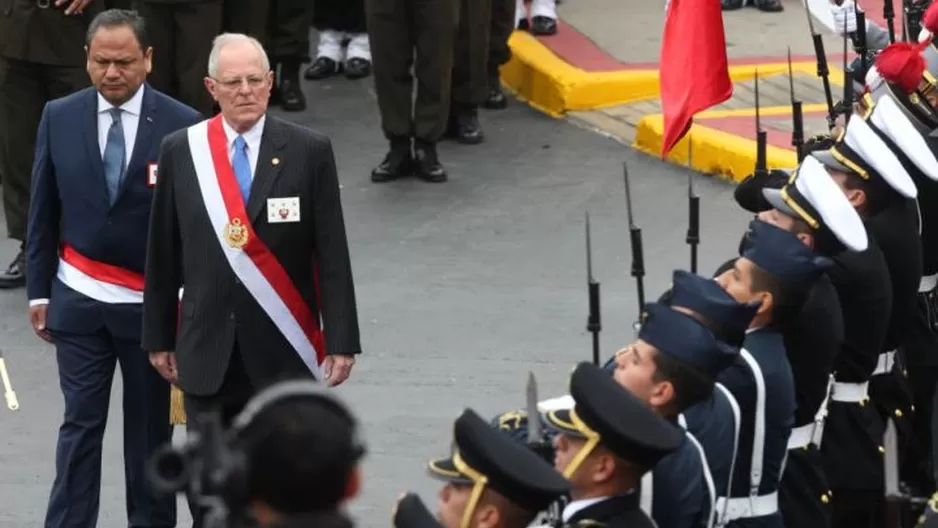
130	119
575	506
253	139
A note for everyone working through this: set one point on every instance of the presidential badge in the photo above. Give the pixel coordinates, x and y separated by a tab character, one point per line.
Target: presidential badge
236	235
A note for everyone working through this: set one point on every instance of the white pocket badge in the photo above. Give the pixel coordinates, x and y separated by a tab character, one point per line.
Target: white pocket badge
151	174
281	210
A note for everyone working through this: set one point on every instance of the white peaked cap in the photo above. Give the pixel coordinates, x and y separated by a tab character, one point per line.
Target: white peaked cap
889	119
873	78
813	193
556	404
875	154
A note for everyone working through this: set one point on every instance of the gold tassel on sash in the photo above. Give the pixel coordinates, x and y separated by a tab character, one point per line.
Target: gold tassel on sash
177	412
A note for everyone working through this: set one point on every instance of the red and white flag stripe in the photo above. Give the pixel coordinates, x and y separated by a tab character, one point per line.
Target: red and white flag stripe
100	281
254	264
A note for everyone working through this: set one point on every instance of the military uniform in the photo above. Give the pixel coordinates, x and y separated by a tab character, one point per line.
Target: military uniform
181	33
470	70
920	339
398	29
42	58
606	414
762	383
815	336
486	459
503	23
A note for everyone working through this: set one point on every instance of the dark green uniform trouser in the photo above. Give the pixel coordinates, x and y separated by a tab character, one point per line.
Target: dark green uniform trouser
471	57
282	26
181	35
396	29
503	24
25	88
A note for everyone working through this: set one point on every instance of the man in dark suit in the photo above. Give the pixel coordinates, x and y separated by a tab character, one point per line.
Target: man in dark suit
41	59
247	216
92	185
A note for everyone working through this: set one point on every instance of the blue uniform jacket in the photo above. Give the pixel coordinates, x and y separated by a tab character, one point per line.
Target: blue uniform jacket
69	204
767	348
680	498
713	423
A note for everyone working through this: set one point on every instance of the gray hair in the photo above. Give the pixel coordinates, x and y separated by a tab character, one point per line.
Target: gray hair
226	39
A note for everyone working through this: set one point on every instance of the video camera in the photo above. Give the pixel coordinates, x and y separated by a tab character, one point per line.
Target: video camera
207	469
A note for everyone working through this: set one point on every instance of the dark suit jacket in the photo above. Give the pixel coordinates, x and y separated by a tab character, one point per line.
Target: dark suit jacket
216	310
69	203
46	36
615	512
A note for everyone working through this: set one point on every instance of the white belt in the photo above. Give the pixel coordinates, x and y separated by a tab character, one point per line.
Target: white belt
928	283
849	392
748	507
885	363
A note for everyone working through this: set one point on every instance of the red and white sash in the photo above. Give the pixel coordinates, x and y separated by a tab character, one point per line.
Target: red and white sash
250	259
100	281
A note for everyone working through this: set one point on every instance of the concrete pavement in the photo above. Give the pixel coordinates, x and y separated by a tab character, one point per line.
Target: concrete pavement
463	288
601	69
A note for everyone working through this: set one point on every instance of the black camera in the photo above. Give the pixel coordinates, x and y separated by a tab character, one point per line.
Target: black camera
206	468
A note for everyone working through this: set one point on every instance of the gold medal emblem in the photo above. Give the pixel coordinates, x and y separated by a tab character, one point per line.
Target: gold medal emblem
236	234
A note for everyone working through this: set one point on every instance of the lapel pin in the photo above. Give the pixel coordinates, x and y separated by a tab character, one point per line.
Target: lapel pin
149	119
275	161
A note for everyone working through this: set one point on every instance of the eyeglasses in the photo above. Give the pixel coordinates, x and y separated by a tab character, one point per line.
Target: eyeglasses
233	84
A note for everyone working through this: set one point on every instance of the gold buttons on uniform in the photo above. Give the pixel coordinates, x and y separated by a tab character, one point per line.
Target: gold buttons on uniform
882	450
898	413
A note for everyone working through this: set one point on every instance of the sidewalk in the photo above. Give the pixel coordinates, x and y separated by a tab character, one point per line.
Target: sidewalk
601	70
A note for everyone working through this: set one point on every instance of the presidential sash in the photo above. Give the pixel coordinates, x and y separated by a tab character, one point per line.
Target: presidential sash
251	261
100	281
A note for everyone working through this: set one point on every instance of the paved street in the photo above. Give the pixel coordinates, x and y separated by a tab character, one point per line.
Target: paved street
462	289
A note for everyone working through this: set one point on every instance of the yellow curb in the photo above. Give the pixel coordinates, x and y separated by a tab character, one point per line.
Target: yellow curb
712	151
555	87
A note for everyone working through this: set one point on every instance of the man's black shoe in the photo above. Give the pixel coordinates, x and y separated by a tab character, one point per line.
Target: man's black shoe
15	275
398	163
427	164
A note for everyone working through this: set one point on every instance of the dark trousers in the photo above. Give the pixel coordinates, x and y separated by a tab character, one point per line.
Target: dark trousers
804	495
418	34
246	16
182	34
232	396
25	88
86	369
339	15
503	24
471	56
282	27
920	350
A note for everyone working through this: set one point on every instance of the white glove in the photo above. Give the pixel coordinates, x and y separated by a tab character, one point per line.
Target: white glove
845	15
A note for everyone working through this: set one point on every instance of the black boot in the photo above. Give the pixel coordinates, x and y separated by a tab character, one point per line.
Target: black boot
291	93
495	100
398	163
15	275
427	163
464	124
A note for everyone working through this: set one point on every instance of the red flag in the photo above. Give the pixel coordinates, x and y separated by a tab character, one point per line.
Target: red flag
694	73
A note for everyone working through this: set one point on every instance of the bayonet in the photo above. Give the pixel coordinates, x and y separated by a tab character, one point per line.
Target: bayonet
822	70
693	221
638	258
891	462
848	82
859	38
761	138
889	14
8	393
797	115
535	435
593	322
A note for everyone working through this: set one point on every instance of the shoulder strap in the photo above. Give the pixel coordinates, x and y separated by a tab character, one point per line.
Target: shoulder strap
758	436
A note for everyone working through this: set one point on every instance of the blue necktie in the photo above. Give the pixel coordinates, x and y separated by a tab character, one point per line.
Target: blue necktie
114	154
242	167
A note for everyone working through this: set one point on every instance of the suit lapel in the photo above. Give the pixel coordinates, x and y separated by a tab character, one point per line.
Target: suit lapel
142	139
92	149
268	166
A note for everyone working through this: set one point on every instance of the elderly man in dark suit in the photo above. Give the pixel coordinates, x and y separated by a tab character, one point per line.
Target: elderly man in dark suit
247	217
92	185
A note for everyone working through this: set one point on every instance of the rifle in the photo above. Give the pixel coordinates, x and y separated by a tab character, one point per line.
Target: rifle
593	324
822	70
889	14
797	116
638	259
761	169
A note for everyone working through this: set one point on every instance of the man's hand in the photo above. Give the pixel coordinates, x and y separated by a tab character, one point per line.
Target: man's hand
37	318
165	363
75	7
337	368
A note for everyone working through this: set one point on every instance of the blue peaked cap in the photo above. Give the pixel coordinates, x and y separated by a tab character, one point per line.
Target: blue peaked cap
685	339
782	255
728	318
